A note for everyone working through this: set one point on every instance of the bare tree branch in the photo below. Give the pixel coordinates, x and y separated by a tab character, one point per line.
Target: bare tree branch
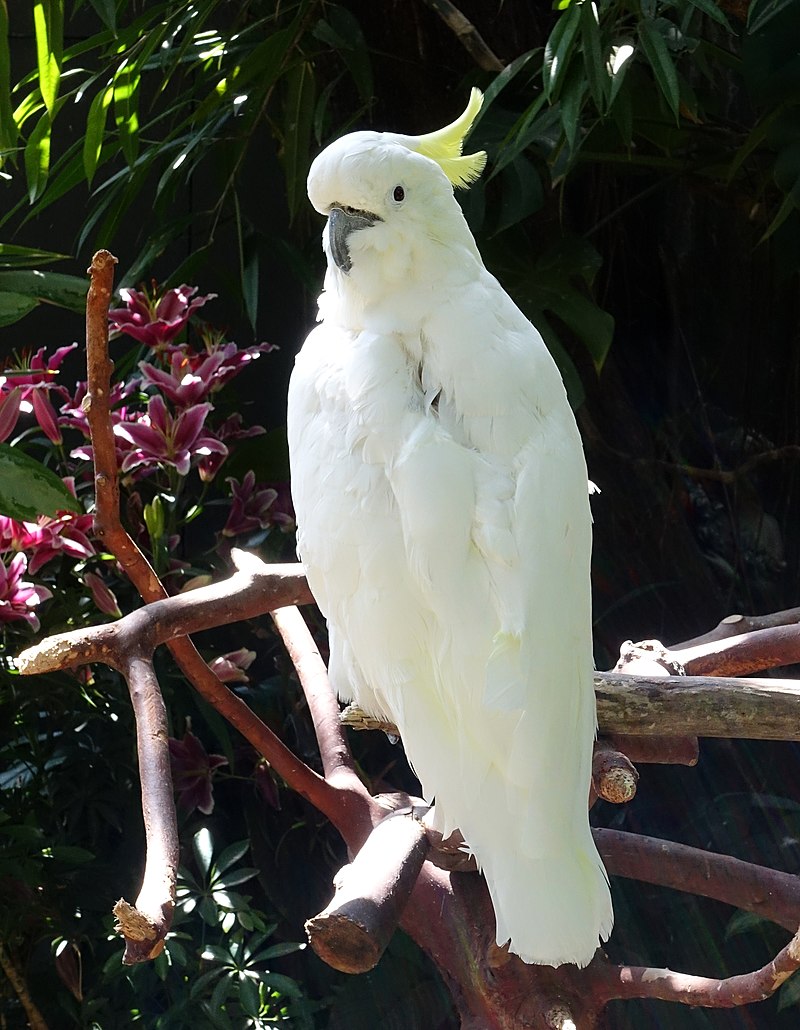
610	982
467	35
36	1020
766	892
352	932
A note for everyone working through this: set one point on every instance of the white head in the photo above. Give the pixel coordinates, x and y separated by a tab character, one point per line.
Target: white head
388	198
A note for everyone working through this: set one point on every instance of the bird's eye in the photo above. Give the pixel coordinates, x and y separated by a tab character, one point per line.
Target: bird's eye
398	194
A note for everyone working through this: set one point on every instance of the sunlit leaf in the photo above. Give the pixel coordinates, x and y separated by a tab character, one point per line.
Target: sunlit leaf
14	256
593	58
8	132
28	489
125	92
37	157
558	50
95	131
48	23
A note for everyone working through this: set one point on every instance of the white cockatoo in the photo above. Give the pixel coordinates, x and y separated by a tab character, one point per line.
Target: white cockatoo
443	519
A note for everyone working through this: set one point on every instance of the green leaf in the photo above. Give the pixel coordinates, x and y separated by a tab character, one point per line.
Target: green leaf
203	848
8	129
571	104
521	193
14	306
500	82
125	91
106	12
299	116
657	54
713	11
231	855
14	256
37	157
48	23
558	50
65	291
95	131
248	996
763	11
29	489
593	60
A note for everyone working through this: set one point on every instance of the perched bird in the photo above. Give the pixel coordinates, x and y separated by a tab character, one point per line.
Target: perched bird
443	518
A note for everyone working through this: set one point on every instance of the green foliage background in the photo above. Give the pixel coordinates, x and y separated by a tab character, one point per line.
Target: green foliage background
641	205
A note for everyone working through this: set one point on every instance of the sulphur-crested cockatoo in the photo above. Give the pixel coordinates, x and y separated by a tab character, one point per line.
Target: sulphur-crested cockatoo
443	519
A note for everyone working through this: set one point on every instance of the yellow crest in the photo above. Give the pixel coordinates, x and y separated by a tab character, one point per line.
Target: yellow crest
444	146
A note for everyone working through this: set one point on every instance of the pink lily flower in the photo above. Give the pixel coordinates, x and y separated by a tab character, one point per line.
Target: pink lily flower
159	438
253	507
154	320
232	667
192	771
18	598
102	595
37	382
193	376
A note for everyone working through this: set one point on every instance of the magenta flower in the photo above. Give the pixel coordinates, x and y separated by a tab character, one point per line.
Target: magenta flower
232	667
158	438
254	507
9	408
37	381
102	595
192	770
155	320
18	598
192	376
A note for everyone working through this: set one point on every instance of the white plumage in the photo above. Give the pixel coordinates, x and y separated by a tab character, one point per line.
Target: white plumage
442	505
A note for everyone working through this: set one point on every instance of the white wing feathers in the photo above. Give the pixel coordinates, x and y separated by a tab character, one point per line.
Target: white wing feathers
462	590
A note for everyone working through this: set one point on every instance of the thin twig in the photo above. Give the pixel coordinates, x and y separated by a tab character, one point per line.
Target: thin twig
612	982
36	1020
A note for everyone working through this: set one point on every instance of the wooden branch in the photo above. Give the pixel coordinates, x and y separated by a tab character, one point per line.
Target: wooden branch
686	706
657	750
313	676
613	774
36	1020
146	928
467	35
371	893
696	706
612	982
733	625
765	892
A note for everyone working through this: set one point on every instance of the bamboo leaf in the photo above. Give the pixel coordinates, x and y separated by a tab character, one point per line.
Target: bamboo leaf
125	90
8	130
299	116
558	50
95	131
713	11
14	306
655	49
37	157
48	24
14	256
593	59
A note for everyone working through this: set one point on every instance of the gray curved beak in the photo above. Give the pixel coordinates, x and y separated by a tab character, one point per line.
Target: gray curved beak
341	222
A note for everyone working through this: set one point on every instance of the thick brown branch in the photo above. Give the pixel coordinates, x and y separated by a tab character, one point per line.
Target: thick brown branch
744	653
155	904
733	625
352	932
766	892
642	982
683	706
467	35
695	706
613	774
